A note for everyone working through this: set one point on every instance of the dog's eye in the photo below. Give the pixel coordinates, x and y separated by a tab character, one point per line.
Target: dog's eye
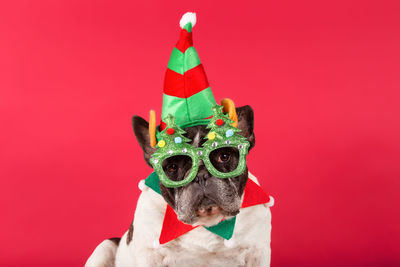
172	167
224	157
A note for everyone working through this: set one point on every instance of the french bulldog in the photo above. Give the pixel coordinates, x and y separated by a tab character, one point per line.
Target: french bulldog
205	201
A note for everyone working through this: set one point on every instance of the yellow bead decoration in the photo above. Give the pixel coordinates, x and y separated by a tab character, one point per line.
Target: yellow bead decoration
211	136
161	143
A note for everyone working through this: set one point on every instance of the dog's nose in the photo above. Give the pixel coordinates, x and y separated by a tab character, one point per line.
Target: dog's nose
209	210
202	175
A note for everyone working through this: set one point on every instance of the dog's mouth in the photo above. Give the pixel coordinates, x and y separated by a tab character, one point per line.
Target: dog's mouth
208	216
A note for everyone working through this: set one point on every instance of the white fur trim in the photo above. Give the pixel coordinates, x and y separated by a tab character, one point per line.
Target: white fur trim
156	244
229	243
188	17
271	202
142	186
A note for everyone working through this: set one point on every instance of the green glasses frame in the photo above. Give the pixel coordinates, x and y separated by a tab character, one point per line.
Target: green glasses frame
197	154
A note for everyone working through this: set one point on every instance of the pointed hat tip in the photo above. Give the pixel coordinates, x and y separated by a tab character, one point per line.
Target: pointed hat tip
188	17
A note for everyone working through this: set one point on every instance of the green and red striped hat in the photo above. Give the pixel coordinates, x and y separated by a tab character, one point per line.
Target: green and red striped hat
187	93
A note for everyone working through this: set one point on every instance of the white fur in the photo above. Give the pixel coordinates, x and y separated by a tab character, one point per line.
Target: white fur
199	247
188	17
103	255
196	140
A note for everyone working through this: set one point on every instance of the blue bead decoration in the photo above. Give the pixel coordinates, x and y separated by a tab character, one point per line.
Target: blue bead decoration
178	140
229	133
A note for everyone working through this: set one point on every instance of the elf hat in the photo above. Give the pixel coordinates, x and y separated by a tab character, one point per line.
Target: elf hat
187	93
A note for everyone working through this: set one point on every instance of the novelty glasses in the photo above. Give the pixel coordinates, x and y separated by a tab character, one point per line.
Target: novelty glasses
222	139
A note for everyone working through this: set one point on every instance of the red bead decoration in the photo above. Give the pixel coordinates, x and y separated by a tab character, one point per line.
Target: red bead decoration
219	122
170	131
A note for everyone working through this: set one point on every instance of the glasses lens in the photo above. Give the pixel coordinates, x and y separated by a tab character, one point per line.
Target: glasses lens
225	159
176	168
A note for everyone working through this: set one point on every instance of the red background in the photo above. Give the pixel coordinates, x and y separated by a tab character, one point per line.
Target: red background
322	77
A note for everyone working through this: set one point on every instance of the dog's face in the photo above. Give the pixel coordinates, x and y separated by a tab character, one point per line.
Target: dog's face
207	199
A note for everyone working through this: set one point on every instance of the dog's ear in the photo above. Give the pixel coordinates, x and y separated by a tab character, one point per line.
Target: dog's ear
141	130
245	116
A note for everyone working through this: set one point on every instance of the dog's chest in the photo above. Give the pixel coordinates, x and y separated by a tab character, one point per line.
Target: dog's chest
197	256
199	247
203	248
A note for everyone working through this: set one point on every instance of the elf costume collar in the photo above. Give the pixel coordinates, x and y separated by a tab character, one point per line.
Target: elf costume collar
172	228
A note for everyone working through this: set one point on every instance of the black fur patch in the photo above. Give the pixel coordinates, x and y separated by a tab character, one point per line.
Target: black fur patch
115	240
130	234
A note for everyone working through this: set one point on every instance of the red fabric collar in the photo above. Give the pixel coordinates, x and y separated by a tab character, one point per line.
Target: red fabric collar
173	228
